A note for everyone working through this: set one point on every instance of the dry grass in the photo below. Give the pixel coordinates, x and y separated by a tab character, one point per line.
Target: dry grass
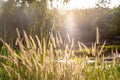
38	60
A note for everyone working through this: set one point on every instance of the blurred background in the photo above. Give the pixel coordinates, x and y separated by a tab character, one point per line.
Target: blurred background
77	18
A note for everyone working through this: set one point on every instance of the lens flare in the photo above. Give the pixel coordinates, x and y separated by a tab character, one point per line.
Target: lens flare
70	24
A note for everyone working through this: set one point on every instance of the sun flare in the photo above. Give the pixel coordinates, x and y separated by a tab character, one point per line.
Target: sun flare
74	4
81	4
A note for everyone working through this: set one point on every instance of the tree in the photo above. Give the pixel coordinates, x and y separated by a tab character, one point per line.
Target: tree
103	3
33	16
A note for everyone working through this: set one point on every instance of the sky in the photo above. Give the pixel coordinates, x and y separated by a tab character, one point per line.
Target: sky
73	4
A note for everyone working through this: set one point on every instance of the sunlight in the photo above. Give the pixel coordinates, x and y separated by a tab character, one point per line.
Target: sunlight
73	4
5	0
81	4
70	24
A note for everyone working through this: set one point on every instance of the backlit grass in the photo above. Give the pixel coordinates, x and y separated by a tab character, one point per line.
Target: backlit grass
54	60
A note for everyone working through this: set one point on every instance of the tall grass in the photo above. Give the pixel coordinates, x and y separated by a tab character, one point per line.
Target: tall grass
35	61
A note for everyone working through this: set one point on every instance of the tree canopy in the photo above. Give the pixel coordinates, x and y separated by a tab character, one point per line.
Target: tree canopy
35	17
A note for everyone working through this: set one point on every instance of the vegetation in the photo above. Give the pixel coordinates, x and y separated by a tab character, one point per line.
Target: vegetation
34	61
37	18
48	43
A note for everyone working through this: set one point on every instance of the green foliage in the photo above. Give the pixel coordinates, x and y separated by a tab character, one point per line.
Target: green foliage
110	48
103	3
37	18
